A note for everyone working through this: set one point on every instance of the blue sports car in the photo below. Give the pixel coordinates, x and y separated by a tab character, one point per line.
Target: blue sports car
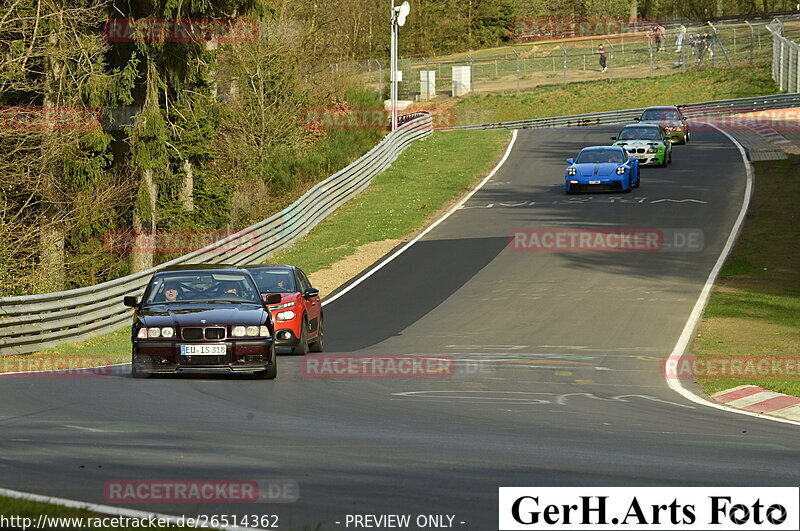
602	169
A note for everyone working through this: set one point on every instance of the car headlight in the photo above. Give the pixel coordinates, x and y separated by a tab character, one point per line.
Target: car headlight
653	150
285	316
155	332
167	332
252	331
263	331
282	306
572	171
142	333
621	170
238	331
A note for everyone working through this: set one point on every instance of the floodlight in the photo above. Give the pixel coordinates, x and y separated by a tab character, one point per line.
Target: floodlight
402	13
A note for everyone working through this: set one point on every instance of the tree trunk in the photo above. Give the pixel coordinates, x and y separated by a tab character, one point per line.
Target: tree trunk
144	227
52	231
186	195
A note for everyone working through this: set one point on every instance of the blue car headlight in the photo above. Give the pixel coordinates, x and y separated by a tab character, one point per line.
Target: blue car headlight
572	171
621	170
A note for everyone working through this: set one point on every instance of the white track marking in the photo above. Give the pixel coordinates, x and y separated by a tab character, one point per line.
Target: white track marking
431	227
697	312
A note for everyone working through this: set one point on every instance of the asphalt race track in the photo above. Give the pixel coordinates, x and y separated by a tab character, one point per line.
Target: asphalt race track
558	382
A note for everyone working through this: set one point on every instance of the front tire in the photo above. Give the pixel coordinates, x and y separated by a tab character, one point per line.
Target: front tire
319	342
272	372
302	346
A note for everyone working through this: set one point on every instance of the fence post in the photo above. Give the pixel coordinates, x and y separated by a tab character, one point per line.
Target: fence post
797	71
611	65
471	73
380	78
752	40
564	50
517	54
650	48
714	45
427	78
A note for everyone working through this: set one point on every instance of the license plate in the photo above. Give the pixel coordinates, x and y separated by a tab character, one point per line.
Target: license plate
594	182
202	350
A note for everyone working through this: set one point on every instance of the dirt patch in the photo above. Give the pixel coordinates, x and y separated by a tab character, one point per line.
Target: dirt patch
327	280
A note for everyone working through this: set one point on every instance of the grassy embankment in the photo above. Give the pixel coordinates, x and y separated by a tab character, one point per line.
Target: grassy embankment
754	310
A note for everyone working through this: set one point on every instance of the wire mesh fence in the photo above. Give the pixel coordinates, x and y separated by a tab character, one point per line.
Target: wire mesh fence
526	65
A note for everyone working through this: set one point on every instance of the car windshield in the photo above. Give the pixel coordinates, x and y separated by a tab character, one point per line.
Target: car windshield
660	114
201	286
274	280
589	156
640	133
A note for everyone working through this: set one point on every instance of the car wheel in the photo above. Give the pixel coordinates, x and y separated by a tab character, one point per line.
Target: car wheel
272	372
319	341
686	138
669	160
302	347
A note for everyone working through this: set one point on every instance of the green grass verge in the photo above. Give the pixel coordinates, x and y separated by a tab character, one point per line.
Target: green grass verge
754	311
595	96
398	202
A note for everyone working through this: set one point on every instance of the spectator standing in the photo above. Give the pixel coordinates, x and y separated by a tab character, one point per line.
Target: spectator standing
679	40
601	50
662	37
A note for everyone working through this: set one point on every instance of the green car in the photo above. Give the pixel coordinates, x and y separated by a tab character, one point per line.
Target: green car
648	143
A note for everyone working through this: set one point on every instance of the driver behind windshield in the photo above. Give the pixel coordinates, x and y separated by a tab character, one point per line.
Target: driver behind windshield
171	292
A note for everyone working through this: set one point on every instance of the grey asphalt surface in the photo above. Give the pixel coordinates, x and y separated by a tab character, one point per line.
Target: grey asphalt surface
558	381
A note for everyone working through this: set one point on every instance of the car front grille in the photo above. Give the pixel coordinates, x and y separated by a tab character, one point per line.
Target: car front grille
192	334
606	187
215	334
212	333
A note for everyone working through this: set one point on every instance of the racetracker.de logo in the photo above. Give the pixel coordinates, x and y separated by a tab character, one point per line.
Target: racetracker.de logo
649	508
200	491
56	367
181	30
177	241
690	367
606	240
32	118
536	29
389	366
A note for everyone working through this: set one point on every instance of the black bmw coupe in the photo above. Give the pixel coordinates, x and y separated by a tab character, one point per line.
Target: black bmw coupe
202	318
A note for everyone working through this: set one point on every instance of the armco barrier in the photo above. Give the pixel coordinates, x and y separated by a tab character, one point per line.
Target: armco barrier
692	110
33	322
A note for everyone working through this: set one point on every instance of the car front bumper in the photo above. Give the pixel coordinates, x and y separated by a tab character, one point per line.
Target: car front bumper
165	356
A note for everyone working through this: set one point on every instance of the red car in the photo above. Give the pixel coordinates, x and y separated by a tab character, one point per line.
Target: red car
298	318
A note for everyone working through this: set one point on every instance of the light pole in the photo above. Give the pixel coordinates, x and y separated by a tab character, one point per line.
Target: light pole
398	19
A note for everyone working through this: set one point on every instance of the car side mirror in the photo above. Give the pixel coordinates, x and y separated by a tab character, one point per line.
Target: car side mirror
272	298
637	119
311	292
571	161
130	302
613	138
631	160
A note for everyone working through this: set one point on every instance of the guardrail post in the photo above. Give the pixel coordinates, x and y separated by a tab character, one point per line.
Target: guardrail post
752	40
517	54
611	64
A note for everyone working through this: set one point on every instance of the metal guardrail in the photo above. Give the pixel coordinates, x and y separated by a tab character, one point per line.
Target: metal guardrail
33	322
692	110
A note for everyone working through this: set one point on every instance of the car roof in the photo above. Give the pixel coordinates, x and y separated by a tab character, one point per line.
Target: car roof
651	126
598	148
665	107
197	267
270	266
